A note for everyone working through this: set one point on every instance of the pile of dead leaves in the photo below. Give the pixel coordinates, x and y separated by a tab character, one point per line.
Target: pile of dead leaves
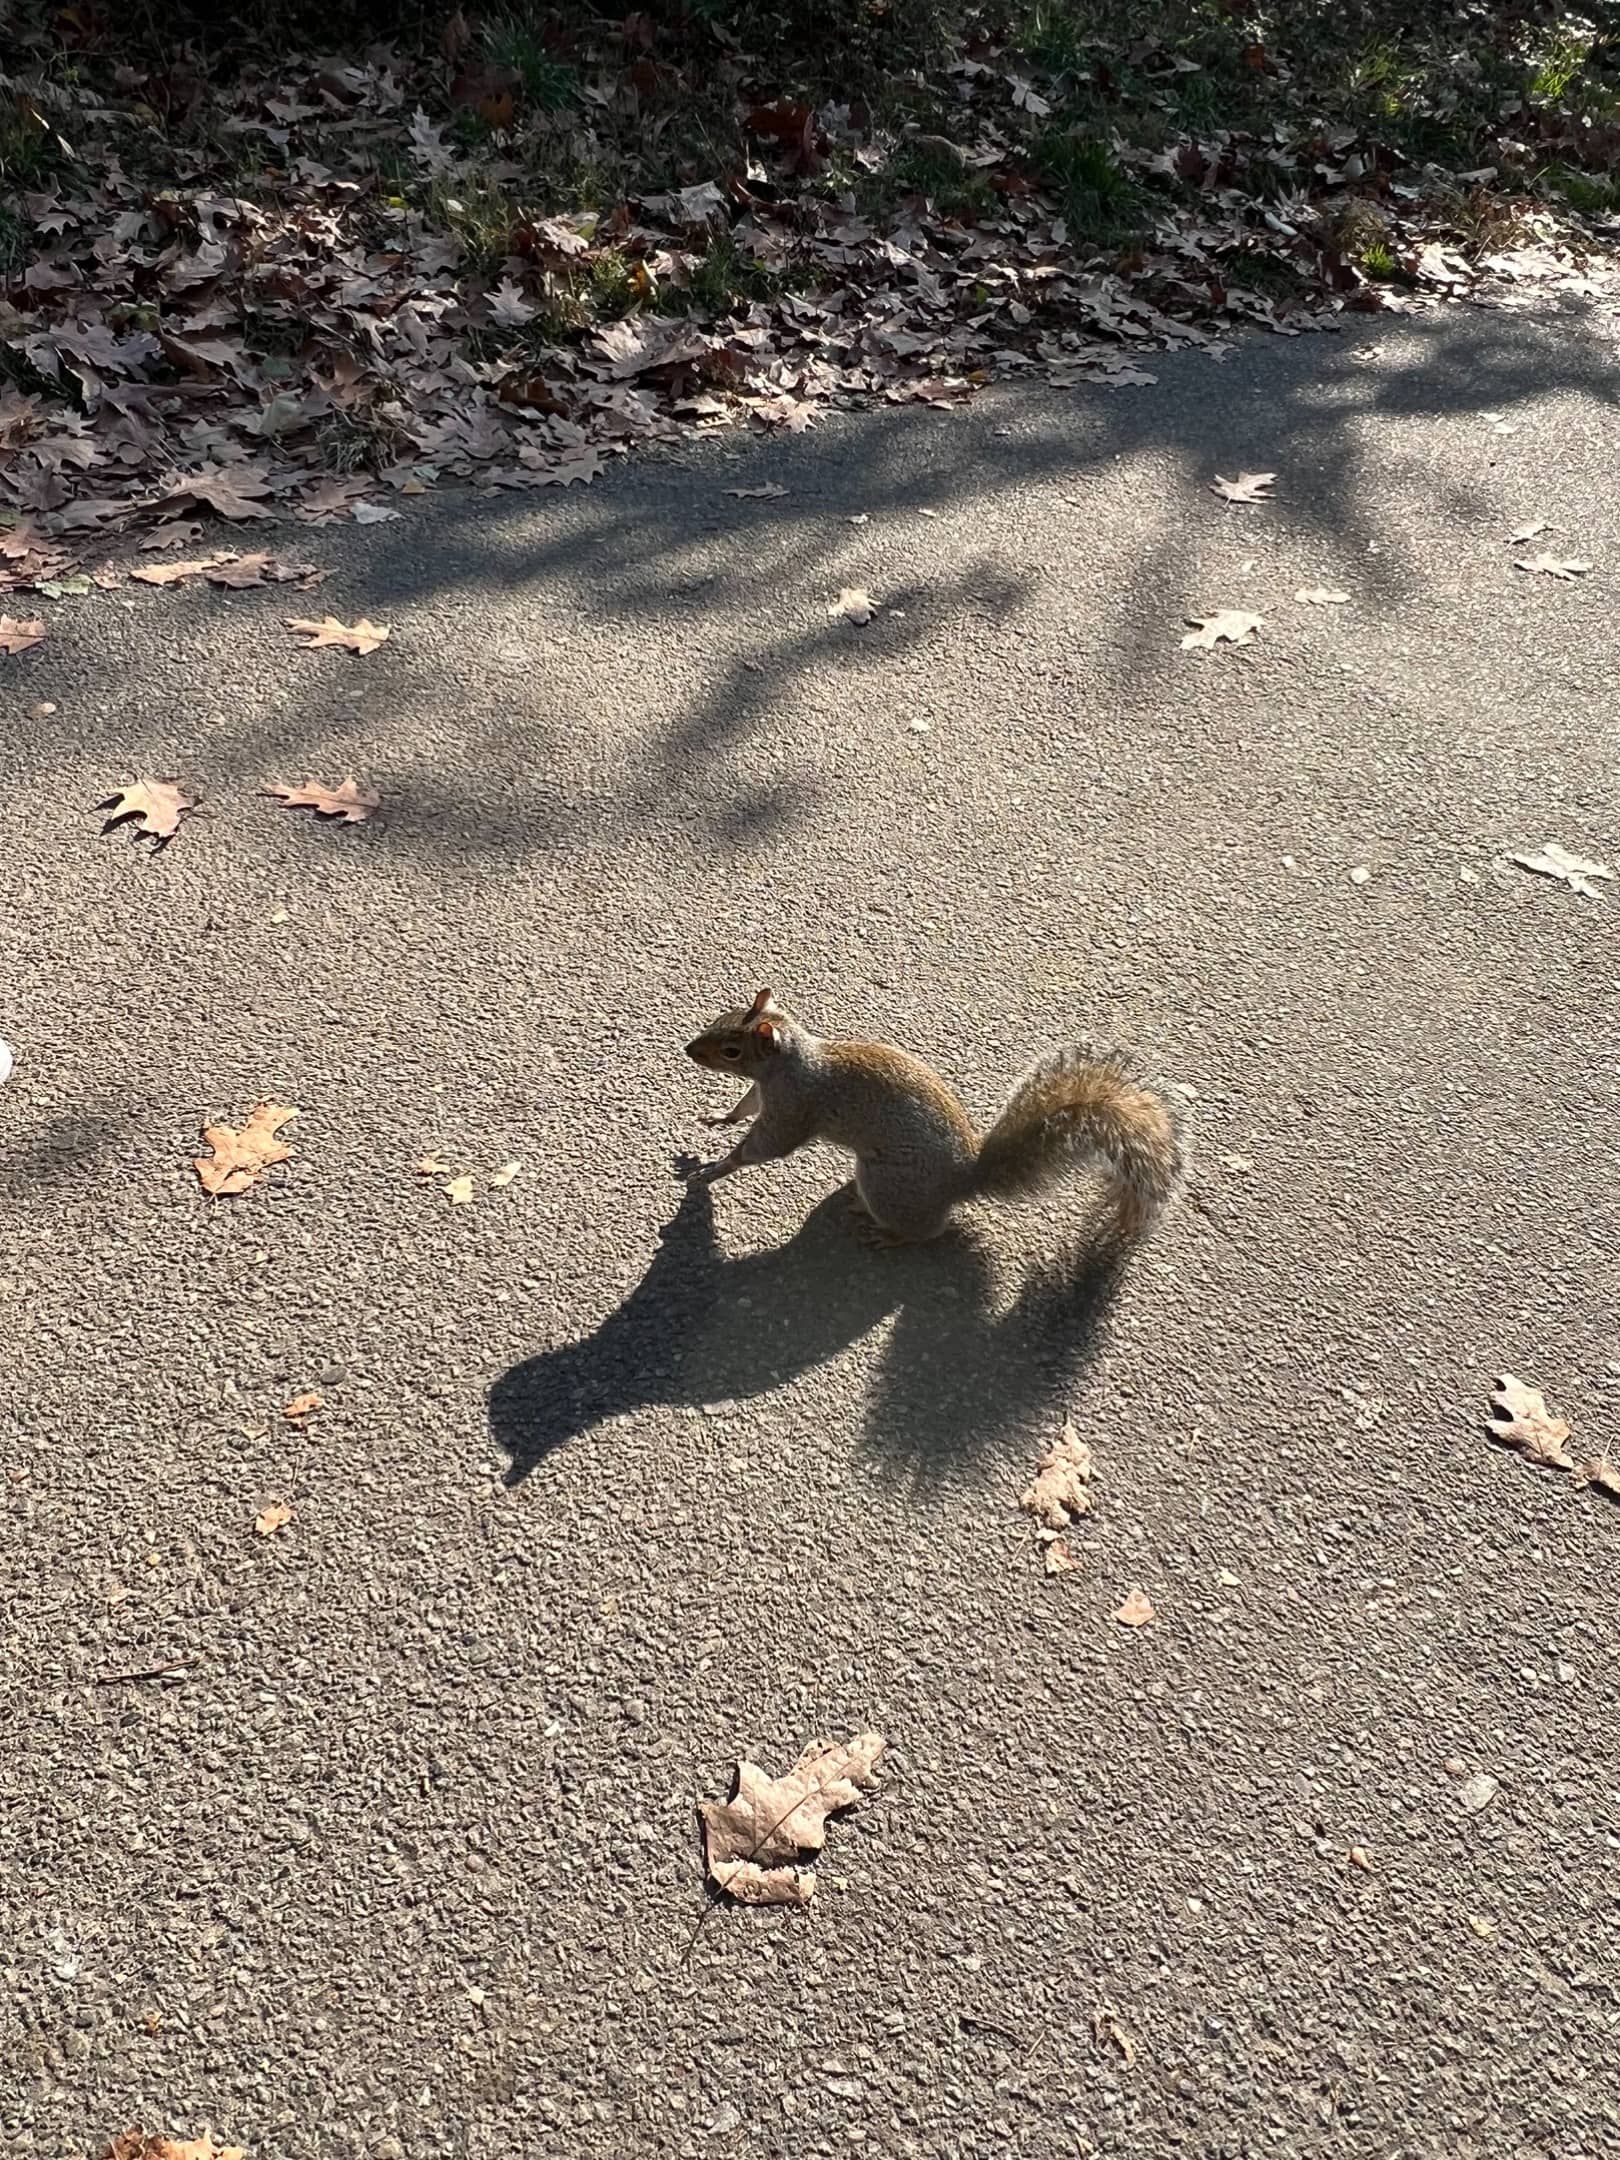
312	289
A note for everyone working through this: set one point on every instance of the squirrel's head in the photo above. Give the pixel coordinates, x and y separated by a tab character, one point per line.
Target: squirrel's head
744	1040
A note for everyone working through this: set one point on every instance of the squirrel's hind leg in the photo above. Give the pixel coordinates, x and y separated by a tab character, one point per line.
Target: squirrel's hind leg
900	1215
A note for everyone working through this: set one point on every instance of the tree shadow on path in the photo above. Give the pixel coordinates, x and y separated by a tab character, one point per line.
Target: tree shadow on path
957	1374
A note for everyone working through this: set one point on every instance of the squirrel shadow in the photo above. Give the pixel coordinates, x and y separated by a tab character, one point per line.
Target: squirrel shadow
957	1376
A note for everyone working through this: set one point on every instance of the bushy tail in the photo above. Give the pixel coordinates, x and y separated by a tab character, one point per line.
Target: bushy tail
1079	1108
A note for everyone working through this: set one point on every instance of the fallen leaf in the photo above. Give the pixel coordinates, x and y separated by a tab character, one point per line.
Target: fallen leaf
19	634
364	637
754	1841
1228	626
766	493
302	1406
172	573
1136	1611
273	1518
505	1174
853	604
1107	2031
1059	1559
1532	531
1520	1419
1566	567
459	1191
1600	1472
157	805
240	1157
63	588
1061	1491
1320	596
1248	487
430	1166
349	802
138	2145
41	711
1574	870
1361	1858
1476	1793
372	513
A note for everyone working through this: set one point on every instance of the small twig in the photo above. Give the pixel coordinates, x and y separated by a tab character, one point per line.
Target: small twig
152	1672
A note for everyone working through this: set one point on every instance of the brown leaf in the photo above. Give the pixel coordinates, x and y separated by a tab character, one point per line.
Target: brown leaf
1059	1559
139	2145
1248	487
430	1166
854	604
19	634
1575	871
240	1157
1600	1472
171	573
766	493
754	1841
233	494
157	805
1107	2031
459	1191
273	1518
1567	567
1228	626
302	1406
1061	1491
505	1174
240	572
1520	1419
351	803
364	637
1136	1611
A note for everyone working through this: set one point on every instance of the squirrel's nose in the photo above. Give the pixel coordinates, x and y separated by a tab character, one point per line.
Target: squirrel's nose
692	1050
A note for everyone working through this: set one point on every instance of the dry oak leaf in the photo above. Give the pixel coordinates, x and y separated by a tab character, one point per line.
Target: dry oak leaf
240	1157
854	604
766	493
1569	568
350	802
272	1518
1061	1491
1227	626
1107	2031
1059	1559
1574	870
138	2145
172	573
1520	1419
1600	1472
1248	487
364	636
18	634
1320	596
302	1406
1136	1611
157	805
753	1841
505	1174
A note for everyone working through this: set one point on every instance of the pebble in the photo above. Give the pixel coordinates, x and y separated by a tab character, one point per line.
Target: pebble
1477	1792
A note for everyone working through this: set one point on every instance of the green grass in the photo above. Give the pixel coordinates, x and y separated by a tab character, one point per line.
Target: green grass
1102	205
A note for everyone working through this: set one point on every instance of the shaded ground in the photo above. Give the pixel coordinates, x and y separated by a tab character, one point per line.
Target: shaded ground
609	1490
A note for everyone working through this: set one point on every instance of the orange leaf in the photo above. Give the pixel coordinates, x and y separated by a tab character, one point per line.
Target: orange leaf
156	805
302	1406
240	1157
18	635
351	803
273	1518
363	637
1136	1611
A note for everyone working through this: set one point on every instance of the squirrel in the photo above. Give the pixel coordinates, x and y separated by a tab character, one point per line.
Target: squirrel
916	1152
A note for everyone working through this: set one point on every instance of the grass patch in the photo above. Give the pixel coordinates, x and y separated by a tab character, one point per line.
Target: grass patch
1102	205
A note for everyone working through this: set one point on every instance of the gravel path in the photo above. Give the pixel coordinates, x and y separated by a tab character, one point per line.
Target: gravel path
612	1485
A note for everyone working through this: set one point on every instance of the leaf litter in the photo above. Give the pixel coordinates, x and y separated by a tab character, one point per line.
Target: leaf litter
1248	487
240	1158
348	802
1575	871
362	637
755	1842
1566	567
157	806
416	297
1136	1611
20	634
1227	626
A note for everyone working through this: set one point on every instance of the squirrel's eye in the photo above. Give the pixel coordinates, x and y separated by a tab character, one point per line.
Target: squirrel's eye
731	1051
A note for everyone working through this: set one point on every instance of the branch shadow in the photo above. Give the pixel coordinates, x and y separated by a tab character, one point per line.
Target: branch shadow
959	1377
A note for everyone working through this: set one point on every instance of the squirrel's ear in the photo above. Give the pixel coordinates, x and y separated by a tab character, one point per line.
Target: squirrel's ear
768	1037
764	1002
